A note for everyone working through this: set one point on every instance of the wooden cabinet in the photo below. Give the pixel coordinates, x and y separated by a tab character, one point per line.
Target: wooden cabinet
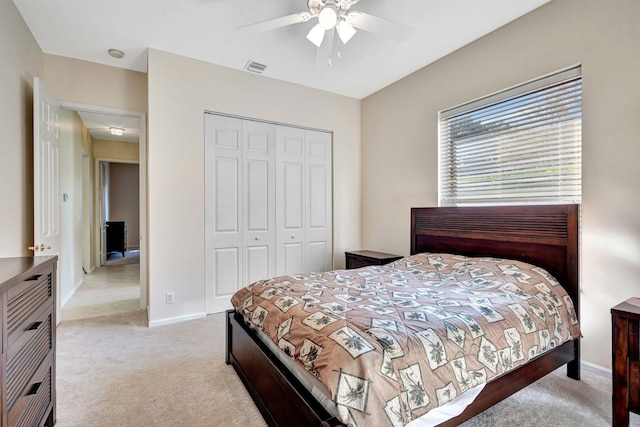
27	367
625	319
357	259
116	237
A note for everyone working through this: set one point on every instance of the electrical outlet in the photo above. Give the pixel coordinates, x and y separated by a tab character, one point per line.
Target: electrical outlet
169	297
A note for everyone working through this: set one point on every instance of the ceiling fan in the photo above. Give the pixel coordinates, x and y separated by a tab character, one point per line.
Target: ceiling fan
334	16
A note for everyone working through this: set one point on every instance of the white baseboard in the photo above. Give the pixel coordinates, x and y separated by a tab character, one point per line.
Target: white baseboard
178	319
66	299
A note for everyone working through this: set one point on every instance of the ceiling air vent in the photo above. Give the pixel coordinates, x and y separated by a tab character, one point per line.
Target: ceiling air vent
255	67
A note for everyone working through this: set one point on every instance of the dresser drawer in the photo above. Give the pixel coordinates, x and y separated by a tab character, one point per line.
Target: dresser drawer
35	399
28	338
27	354
25	303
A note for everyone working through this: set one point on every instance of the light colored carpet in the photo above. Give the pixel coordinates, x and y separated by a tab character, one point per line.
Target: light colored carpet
113	371
130	257
108	290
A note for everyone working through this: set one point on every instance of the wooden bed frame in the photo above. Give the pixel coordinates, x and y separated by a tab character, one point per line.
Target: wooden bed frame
546	236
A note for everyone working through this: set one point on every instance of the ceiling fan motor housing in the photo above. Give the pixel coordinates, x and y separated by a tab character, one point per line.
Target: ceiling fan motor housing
315	6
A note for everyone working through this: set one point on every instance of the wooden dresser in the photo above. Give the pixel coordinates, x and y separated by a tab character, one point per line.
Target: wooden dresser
27	367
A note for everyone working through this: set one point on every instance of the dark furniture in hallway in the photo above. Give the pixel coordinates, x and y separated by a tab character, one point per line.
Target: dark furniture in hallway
116	237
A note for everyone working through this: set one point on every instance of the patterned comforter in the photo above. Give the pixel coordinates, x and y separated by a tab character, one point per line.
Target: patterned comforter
393	342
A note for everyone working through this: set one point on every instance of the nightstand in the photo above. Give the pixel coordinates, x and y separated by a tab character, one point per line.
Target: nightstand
357	259
625	350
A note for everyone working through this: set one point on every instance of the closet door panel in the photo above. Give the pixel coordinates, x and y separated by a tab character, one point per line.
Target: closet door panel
223	210
293	196
226	200
317	256
227	273
257	263
317	191
258	204
318	233
292	259
258	192
318	194
290	211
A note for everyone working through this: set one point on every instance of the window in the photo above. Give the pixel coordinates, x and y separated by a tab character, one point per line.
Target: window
520	146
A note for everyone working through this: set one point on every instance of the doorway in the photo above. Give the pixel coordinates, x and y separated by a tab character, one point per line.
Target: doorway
119	199
119	286
113	286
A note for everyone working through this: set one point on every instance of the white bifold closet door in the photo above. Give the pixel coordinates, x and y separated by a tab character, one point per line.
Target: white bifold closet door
303	194
267	204
240	208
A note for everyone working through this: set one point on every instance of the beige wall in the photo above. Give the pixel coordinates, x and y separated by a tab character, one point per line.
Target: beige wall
400	141
70	265
180	91
107	149
88	83
21	61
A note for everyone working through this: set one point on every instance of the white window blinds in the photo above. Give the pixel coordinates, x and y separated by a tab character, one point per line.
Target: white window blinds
520	146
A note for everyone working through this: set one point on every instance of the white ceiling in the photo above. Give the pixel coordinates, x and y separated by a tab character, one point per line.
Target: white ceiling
98	125
207	30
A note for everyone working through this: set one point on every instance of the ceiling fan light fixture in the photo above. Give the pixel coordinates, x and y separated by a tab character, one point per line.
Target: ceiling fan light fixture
345	31
328	17
316	35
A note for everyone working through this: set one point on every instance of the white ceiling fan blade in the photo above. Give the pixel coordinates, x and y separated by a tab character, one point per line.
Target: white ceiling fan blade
316	35
345	31
373	24
324	51
272	24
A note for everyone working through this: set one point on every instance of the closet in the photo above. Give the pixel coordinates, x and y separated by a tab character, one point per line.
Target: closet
268	203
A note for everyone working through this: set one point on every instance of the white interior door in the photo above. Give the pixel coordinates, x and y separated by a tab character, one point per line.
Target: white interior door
46	189
46	181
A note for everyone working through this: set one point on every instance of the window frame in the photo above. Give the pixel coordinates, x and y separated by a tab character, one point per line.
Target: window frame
449	118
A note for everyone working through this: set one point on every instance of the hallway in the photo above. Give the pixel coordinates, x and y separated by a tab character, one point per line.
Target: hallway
112	289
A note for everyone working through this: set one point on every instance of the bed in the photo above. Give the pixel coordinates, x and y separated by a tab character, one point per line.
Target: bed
545	236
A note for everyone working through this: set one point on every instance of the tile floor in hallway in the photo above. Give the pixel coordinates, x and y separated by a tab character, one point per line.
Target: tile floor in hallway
112	289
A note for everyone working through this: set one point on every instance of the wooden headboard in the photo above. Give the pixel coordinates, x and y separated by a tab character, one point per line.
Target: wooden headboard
546	236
